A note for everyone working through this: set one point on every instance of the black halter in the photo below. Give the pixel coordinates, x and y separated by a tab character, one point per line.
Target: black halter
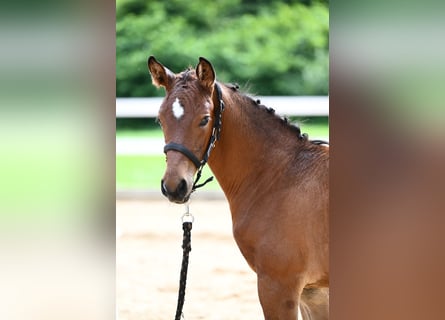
216	132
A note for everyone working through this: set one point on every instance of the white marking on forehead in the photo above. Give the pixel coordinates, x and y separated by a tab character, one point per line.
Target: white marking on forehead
178	109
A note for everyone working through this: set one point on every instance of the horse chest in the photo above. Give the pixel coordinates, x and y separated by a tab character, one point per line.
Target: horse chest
258	240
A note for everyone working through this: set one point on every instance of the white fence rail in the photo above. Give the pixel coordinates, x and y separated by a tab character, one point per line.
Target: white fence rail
285	106
148	108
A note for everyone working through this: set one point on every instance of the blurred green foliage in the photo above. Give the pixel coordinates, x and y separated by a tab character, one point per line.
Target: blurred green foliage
273	47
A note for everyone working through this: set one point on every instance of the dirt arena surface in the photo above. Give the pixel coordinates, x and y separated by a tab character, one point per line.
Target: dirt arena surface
220	284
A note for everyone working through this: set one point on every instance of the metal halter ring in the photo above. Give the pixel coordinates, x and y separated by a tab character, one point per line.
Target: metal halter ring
187	216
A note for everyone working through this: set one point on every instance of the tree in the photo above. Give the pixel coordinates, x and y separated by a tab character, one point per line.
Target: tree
278	48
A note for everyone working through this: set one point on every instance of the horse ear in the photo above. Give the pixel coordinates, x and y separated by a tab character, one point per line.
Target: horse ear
205	73
160	75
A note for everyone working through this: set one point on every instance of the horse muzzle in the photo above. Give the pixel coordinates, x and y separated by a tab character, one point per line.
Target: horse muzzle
178	193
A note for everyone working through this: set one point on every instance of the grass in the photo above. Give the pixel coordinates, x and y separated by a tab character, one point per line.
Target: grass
128	133
314	126
146	171
138	171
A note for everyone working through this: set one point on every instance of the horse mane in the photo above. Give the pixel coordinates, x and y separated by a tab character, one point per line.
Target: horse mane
281	120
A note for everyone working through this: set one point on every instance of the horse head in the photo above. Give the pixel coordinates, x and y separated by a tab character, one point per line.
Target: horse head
186	116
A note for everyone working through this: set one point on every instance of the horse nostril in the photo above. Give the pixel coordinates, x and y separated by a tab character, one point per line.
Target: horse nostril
178	194
181	190
163	188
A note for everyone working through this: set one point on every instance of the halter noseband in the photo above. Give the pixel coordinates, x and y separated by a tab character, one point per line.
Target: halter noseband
216	132
184	151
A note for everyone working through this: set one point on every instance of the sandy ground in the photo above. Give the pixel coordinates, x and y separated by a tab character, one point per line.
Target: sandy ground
220	284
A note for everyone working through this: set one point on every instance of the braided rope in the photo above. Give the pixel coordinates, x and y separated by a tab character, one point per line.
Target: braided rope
186	246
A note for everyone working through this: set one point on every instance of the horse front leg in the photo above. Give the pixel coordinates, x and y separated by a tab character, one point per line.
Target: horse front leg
279	299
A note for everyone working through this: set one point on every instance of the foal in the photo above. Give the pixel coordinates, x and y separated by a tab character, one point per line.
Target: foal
274	178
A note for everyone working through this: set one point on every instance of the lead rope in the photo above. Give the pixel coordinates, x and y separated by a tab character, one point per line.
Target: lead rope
187	221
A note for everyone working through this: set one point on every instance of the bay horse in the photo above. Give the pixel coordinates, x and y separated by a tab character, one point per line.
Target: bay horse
275	179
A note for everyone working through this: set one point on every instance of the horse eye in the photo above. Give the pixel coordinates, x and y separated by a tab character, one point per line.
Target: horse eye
204	121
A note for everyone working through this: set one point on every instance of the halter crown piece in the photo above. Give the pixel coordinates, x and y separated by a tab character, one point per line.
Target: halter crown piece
216	132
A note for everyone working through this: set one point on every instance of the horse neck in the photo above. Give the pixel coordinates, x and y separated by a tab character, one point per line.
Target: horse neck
245	152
